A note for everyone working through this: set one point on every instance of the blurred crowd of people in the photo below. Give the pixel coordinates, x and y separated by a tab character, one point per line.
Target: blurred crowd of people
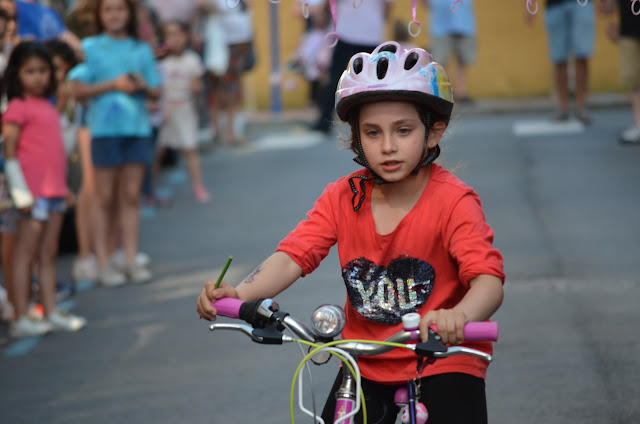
116	85
120	84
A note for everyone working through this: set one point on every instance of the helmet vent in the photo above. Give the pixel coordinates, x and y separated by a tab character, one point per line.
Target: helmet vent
357	65
388	48
411	61
381	69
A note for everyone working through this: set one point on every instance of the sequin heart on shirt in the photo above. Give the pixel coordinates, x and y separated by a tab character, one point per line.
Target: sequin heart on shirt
384	295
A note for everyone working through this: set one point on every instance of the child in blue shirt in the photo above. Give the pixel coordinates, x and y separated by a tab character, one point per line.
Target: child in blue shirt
118	76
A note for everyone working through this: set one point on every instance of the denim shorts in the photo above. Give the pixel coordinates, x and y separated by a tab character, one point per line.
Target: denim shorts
111	152
570	31
44	206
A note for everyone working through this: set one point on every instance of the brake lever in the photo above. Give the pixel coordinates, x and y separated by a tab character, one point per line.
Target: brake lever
243	328
433	348
459	350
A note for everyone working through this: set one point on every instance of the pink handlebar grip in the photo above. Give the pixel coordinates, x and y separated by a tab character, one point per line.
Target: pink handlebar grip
228	307
481	331
478	331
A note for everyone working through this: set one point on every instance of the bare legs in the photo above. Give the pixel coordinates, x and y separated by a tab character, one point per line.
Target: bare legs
129	202
123	185
193	167
105	184
632	134
36	240
213	103
8	250
635	105
229	98
461	81
85	205
561	83
582	82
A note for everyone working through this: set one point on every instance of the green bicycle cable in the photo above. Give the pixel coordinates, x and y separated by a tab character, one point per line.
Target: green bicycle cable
316	349
304	360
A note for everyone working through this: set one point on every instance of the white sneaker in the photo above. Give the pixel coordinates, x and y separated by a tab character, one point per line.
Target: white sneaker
138	274
631	134
65	321
85	269
35	311
27	327
119	259
109	276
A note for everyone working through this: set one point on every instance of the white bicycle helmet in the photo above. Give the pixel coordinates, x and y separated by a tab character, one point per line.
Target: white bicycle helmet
391	72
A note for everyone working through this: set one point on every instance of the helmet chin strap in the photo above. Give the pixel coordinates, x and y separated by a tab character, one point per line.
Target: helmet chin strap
429	156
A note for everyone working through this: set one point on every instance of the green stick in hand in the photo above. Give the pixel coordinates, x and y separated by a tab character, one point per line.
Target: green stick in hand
224	271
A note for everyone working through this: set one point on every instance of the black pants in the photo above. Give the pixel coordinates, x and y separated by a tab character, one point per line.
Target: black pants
342	52
450	399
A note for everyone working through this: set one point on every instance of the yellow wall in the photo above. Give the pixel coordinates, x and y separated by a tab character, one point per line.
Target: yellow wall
512	56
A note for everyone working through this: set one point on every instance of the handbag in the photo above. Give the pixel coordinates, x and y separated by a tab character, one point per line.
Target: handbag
216	52
249	57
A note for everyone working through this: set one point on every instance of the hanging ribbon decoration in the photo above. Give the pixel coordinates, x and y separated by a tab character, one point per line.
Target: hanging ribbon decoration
530	4
581	3
633	10
305	9
414	21
455	5
334	34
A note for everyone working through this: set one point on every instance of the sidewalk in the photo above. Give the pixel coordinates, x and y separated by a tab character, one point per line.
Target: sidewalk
267	119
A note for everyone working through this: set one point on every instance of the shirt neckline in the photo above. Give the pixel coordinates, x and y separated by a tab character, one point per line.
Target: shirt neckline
372	220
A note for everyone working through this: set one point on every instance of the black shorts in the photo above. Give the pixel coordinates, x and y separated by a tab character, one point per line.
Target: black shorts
452	398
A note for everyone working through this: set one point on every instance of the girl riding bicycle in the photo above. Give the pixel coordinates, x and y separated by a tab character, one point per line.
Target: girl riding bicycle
411	238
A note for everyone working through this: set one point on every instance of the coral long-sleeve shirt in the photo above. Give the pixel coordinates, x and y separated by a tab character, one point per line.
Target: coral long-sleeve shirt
426	263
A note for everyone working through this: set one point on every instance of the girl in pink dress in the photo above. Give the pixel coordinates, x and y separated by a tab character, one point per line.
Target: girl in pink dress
36	172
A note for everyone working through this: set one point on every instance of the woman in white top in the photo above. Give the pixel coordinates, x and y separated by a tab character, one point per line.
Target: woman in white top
359	29
237	25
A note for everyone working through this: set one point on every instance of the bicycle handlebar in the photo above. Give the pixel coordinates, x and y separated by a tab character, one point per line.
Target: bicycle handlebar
257	313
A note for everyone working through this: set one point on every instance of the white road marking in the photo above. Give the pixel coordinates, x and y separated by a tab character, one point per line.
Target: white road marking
286	140
546	127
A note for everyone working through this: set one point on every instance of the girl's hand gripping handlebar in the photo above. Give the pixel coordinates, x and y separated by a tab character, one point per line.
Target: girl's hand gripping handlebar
228	307
478	331
209	295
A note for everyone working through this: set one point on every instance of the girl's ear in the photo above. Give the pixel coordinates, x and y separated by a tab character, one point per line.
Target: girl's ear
435	134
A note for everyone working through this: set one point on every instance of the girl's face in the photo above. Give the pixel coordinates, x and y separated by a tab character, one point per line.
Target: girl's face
114	15
34	76
175	38
392	137
61	69
10	8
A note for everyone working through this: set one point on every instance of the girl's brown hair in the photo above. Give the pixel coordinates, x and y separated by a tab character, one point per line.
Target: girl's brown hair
20	54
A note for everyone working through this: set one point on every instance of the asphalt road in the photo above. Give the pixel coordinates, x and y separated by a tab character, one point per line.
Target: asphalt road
565	209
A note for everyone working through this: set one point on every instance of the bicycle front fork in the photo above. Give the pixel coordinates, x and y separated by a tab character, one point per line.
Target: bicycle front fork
345	397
